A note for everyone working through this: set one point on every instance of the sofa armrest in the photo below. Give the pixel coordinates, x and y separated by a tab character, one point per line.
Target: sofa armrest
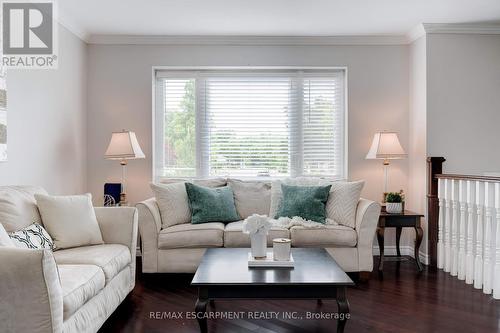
148	209
367	215
118	226
30	291
149	228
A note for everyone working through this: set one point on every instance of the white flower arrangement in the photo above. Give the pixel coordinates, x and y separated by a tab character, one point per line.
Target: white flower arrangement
256	224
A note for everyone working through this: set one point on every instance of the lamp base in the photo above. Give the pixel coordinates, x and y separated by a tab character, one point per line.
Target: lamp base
123	199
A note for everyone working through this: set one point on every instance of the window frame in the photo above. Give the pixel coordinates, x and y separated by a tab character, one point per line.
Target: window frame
183	72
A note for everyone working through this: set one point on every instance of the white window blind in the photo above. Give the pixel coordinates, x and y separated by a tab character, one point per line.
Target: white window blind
247	124
323	127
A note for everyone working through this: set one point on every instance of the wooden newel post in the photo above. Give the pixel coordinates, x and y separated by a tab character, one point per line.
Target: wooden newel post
434	167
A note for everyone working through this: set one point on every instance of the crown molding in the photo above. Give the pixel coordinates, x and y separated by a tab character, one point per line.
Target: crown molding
247	40
451	28
415	33
462	28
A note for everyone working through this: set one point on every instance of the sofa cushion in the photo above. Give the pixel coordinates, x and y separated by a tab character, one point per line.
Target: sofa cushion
111	258
234	236
79	284
251	197
341	204
18	207
191	236
172	200
330	236
70	220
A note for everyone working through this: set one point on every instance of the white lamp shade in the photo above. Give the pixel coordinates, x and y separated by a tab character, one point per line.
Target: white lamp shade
123	146
385	145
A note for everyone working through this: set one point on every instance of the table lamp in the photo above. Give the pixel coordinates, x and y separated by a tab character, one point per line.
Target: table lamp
386	146
123	146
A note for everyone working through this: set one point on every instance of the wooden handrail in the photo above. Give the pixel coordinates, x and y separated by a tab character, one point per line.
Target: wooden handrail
468	177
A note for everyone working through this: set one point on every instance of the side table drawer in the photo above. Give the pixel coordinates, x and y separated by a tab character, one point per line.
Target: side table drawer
399	221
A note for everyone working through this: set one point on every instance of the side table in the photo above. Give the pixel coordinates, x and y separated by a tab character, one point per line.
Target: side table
407	219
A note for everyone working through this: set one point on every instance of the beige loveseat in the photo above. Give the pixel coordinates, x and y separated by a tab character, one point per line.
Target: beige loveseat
69	290
179	248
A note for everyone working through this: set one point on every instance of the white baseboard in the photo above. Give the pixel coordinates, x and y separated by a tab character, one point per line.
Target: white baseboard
405	251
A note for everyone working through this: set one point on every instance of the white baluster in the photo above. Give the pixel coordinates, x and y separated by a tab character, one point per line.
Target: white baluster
441	221
487	238
447	226
478	260
496	276
454	228
461	234
469	257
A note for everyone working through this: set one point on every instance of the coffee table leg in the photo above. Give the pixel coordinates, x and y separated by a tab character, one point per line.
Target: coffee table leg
343	305
201	309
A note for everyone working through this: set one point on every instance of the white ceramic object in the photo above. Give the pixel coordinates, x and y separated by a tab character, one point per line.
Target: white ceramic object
258	243
281	249
394	207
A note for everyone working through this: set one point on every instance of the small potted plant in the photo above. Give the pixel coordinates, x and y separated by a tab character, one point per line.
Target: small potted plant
394	202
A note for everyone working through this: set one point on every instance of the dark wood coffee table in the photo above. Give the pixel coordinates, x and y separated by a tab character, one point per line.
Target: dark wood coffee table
224	274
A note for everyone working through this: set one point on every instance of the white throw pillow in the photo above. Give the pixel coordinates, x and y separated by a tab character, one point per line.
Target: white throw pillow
70	220
251	197
32	237
4	238
173	203
18	206
342	200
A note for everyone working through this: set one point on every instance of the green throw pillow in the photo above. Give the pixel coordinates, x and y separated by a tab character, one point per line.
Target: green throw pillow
211	204
307	202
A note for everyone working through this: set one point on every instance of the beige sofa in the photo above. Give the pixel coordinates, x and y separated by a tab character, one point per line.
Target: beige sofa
70	290
179	248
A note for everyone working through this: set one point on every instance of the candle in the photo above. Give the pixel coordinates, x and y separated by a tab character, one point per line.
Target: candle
281	249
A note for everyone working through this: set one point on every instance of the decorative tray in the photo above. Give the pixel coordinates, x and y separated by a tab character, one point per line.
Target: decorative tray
269	261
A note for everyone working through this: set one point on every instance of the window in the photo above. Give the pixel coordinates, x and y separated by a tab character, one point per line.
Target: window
250	124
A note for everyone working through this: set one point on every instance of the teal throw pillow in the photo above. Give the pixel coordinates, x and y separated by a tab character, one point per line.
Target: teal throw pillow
307	202
211	204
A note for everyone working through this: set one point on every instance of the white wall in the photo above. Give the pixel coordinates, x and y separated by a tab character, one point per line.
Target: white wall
47	122
463	101
416	199
120	97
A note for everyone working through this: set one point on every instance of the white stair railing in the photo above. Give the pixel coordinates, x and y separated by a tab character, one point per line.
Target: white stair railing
468	238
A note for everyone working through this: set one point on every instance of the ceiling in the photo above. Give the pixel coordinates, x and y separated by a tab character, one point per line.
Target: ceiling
268	17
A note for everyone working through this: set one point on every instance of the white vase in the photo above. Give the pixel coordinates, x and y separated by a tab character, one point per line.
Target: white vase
394	207
258	243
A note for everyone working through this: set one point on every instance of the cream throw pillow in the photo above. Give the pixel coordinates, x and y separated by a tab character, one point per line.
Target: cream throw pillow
173	203
70	220
342	200
251	197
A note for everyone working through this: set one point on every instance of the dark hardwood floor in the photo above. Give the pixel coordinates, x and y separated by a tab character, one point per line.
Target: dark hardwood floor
402	302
